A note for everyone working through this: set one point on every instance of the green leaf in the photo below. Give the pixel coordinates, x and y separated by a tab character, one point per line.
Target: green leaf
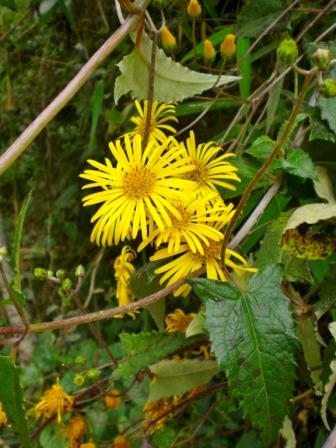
328	111
311	350
196	326
243	44
175	377
9	4
261	148
323	186
53	436
96	109
196	107
15	283
254	341
144	349
299	164
11	398
273	103
173	81
311	214
214	289
144	282
288	433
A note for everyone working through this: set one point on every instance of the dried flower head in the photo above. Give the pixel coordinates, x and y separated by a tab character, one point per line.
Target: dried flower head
112	399
75	431
3	417
54	402
178	321
120	442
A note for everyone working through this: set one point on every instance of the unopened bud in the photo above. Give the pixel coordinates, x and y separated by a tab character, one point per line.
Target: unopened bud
3	251
50	274
40	273
168	40
66	284
194	8
228	46
79	380
80	271
287	52
59	273
80	360
93	373
328	88
321	58
209	52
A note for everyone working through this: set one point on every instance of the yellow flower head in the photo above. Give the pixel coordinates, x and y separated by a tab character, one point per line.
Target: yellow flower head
228	46
123	269
194	8
178	321
75	431
186	262
120	442
87	445
140	188
161	114
211	168
113	399
156	413
193	227
3	417
168	39
54	401
209	52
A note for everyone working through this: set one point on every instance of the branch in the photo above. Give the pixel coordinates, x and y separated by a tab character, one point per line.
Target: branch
34	129
331	440
98	315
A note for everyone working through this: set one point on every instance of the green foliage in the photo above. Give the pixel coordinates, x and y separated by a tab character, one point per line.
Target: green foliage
299	164
144	349
175	377
173	82
9	4
254	342
328	108
11	397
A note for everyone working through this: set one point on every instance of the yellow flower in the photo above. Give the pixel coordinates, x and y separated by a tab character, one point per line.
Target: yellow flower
156	413
178	321
194	224
138	189
194	8
228	46
112	399
123	269
158	127
87	445
209	52
186	262
3	417
211	169
55	401
168	39
120	442
203	350
76	430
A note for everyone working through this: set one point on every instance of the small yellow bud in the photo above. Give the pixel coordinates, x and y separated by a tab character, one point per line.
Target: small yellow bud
328	88
322	58
120	442
209	52
194	8
113	399
228	46
168	40
3	416
79	380
287	51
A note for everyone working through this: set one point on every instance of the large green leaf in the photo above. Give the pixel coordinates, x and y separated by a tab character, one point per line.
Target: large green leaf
15	284
253	339
173	81
175	377
144	349
311	214
12	400
328	111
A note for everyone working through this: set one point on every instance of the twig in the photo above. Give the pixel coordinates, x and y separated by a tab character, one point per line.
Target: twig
96	264
34	129
331	440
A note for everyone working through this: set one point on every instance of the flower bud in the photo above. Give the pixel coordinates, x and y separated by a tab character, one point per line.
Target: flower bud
79	380
194	8
321	58
120	442
40	273
50	273
80	360
228	46
80	271
209	52
66	284
3	251
168	40
93	374
59	273
287	52
328	88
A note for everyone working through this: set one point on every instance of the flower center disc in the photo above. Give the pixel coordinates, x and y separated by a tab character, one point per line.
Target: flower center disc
199	174
138	183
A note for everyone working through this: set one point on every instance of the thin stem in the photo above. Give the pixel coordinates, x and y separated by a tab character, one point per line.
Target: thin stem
34	129
331	440
267	163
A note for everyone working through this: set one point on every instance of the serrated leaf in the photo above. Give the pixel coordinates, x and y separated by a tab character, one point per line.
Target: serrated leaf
214	289
328	111
144	349
11	398
311	214
323	186
261	148
15	283
254	342
330	384
288	433
173	82
299	164
311	350
175	377
319	131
